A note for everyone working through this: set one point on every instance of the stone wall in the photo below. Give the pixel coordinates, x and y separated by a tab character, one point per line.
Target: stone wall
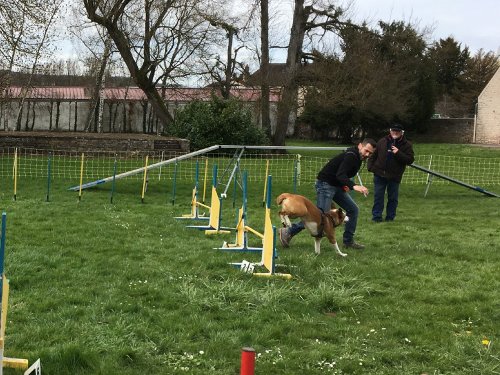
488	112
450	130
447	130
117	117
78	141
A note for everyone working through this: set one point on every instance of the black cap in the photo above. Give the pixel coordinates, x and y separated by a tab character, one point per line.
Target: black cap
397	127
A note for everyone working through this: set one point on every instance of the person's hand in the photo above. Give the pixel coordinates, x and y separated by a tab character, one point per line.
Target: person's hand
394	149
361	189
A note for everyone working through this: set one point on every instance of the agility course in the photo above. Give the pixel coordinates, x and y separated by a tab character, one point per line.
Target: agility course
124	287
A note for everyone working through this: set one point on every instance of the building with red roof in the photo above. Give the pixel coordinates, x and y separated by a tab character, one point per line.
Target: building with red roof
125	109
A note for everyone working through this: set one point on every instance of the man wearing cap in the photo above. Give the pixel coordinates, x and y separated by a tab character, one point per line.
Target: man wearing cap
388	163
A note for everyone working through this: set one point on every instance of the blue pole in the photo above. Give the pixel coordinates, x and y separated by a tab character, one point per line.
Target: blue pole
48	175
196	175
244	197
245	175
214	177
269	188
235	183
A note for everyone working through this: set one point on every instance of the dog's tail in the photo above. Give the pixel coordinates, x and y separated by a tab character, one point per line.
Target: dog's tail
281	198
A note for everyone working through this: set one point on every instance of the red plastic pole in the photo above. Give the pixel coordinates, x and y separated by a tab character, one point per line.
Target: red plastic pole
247	361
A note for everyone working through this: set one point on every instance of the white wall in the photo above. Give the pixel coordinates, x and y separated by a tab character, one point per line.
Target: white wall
117	117
488	112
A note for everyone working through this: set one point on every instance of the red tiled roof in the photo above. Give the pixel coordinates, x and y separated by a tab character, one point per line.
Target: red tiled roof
49	92
133	93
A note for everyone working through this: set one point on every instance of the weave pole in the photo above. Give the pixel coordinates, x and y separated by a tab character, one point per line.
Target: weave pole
174	190
205	181
48	175
81	178
145	179
247	361
14	172
113	182
265	184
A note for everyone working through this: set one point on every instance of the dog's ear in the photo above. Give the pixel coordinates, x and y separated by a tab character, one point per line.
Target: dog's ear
333	206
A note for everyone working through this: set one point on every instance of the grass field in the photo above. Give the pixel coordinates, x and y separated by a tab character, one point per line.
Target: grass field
123	288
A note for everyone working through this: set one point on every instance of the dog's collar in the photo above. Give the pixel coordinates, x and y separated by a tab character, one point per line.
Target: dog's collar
332	219
321	226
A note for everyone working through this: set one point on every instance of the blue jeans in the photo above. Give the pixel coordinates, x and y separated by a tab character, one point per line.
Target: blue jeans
327	193
381	184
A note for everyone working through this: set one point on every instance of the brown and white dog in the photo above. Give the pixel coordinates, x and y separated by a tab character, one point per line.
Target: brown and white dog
319	224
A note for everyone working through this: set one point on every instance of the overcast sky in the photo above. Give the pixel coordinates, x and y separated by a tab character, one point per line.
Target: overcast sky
473	23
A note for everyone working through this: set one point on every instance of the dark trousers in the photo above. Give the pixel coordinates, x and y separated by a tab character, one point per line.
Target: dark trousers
381	184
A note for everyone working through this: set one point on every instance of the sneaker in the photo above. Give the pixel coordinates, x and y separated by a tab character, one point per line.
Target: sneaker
354	245
377	220
285	237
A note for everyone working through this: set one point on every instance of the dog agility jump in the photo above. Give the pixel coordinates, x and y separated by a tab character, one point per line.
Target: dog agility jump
242	229
195	204
215	218
269	246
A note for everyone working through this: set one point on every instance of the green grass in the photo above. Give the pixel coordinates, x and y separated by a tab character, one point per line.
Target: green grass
123	288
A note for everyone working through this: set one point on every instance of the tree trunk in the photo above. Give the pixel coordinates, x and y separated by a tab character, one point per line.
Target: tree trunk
51	110
144	116
290	88
140	77
264	67
19	115
33	116
76	117
158	105
58	114
229	65
27	121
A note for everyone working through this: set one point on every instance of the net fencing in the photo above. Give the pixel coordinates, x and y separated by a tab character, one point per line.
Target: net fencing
284	167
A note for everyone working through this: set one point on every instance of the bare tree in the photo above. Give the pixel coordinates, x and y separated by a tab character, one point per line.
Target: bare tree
264	66
219	69
25	34
307	19
155	38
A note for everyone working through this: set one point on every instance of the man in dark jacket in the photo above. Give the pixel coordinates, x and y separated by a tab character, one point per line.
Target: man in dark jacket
333	183
388	163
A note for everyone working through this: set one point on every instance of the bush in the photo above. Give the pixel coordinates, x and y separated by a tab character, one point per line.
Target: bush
216	122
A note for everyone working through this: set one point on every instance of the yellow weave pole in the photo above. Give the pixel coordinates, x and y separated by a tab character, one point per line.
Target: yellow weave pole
145	179
14	173
265	184
205	181
81	178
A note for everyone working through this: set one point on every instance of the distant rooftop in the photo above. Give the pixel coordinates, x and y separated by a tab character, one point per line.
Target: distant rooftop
74	93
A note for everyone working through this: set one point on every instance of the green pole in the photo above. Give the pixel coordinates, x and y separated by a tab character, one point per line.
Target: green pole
175	183
49	169
295	176
235	182
113	183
